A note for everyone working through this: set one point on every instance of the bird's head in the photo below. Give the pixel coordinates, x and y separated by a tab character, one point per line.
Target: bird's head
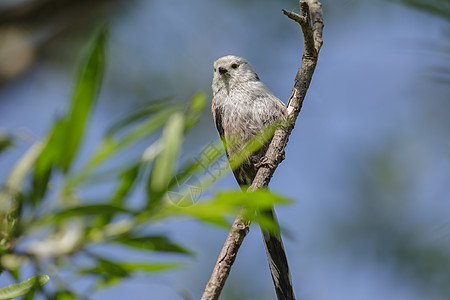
232	70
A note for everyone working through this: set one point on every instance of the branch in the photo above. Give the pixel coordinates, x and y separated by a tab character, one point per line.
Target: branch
226	258
312	35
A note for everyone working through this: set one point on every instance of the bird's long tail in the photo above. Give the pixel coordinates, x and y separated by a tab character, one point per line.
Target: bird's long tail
278	263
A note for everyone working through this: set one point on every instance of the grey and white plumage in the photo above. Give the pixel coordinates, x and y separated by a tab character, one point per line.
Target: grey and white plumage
242	107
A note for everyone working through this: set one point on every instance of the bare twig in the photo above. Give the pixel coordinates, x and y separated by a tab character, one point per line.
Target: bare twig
312	35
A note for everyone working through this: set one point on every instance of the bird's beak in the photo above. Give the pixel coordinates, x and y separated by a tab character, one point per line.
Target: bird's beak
222	70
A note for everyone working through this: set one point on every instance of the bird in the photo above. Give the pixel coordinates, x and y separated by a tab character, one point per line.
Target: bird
242	107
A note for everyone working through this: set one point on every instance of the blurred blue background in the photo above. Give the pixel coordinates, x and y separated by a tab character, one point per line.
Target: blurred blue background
368	163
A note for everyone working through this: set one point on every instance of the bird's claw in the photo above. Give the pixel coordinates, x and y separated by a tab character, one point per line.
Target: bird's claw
264	161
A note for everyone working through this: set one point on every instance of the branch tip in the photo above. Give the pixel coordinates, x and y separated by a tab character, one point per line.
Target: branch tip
293	16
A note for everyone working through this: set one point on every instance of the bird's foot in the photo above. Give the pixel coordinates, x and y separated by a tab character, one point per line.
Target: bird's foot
263	162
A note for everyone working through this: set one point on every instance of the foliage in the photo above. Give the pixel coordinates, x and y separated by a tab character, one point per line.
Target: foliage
5	141
45	221
23	288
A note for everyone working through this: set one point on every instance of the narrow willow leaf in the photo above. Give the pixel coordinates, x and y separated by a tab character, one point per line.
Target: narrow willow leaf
29	295
111	272
19	289
215	165
208	211
152	151
197	175
151	242
266	222
112	144
127	180
163	169
85	95
123	269
211	161
106	267
6	141
139	113
68	131
251	146
196	106
49	158
89	210
259	199
150	126
228	204
65	137
14	181
150	267
65	295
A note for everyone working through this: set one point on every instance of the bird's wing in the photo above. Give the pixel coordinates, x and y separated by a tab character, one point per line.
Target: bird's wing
217	115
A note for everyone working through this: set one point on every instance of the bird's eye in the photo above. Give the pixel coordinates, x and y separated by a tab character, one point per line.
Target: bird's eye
234	65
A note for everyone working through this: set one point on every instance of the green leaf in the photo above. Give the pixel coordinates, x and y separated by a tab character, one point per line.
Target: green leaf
163	169
65	137
139	113
111	272
108	271
151	242
19	289
89	210
105	266
127	180
228	204
64	295
11	194
208	211
214	164
14	181
253	145
211	161
85	95
196	106
259	199
6	141
111	144
150	267
123	269
29	295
